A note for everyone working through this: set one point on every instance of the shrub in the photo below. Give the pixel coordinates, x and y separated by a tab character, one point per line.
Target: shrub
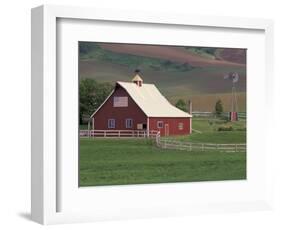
218	108
181	105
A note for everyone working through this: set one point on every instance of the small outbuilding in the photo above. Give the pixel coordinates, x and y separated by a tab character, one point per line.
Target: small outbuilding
139	106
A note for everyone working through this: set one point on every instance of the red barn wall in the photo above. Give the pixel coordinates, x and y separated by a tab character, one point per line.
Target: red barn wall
120	114
172	124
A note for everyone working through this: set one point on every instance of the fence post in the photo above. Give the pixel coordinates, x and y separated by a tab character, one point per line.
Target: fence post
157	140
190	146
104	133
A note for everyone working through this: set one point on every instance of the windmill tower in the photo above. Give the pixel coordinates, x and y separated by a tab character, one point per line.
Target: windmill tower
233	77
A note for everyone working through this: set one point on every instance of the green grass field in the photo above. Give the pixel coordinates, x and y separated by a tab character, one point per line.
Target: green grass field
209	134
119	161
130	161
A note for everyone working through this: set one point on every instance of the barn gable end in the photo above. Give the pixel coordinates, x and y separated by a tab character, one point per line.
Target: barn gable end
118	106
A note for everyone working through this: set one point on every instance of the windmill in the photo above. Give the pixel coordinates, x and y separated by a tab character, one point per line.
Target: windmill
233	77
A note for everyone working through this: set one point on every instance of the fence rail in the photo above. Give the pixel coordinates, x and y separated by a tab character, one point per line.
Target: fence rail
118	133
188	146
242	115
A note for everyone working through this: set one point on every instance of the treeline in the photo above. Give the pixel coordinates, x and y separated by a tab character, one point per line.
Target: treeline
91	95
207	50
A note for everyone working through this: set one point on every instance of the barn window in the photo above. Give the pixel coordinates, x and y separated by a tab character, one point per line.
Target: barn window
180	126
129	123
120	102
111	123
160	124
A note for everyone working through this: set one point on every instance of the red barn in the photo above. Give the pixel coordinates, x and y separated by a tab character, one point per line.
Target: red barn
138	106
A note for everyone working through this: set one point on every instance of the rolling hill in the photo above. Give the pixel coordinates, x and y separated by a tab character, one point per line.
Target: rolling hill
178	72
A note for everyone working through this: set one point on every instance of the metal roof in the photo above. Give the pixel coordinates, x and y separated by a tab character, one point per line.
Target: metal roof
151	101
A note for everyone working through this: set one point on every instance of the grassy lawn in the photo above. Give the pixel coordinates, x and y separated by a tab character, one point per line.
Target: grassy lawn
212	124
210	134
220	137
138	161
225	137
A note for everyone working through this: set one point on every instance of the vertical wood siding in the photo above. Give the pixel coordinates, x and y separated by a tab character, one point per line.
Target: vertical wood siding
173	124
120	114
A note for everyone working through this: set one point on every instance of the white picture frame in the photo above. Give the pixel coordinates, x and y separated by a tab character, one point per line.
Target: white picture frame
46	183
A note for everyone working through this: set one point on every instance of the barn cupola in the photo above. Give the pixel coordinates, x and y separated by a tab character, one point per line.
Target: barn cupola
137	79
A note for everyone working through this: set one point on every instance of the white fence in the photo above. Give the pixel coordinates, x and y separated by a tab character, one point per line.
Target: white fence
188	146
241	115
164	142
119	133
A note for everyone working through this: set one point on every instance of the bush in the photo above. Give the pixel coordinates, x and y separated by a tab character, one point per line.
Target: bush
225	128
218	108
181	105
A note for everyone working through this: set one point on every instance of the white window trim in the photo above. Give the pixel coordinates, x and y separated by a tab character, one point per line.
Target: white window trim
182	126
109	123
160	122
127	119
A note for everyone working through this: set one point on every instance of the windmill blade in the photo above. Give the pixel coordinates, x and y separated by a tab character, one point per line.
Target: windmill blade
226	76
235	77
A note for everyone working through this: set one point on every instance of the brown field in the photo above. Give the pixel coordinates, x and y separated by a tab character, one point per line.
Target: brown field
205	80
206	102
232	55
178	54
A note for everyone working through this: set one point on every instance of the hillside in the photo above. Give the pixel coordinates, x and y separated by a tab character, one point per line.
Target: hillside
178	54
178	72
232	55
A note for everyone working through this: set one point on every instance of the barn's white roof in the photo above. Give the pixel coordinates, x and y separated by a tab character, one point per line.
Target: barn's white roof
151	101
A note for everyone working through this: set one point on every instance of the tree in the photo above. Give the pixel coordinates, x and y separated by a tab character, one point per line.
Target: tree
218	107
181	105
91	95
86	47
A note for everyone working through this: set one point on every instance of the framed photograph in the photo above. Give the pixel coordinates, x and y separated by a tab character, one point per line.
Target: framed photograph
140	114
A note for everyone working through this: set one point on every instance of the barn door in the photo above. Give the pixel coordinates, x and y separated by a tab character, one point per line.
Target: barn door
166	129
